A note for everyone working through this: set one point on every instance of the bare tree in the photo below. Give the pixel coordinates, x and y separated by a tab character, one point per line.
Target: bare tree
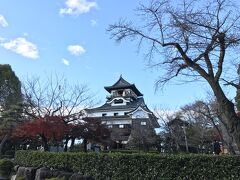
171	137
207	115
55	97
143	139
191	39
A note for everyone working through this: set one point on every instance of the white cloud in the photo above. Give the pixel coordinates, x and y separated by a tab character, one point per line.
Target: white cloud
77	7
93	22
2	39
65	61
3	21
23	47
76	49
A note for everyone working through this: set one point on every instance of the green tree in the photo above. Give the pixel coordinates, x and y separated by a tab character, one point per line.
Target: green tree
10	102
191	39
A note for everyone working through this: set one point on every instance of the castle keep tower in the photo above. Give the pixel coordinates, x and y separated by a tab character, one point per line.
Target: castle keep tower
123	111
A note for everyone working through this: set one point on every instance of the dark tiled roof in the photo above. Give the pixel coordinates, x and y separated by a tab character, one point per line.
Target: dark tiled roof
123	84
132	106
154	121
178	121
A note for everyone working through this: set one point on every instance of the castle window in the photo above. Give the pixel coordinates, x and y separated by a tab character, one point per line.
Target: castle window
121	126
118	101
120	92
104	114
143	123
125	113
115	114
110	126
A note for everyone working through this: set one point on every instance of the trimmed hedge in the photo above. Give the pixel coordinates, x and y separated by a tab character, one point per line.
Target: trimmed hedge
136	166
6	167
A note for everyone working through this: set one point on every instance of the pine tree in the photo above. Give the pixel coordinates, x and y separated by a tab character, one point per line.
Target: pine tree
10	102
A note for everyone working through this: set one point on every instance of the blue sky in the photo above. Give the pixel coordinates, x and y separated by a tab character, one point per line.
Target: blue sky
69	37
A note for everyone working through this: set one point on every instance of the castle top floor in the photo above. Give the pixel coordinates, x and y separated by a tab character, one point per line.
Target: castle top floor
122	88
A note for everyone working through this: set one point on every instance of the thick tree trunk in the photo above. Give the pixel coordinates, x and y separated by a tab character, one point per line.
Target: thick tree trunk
66	143
226	137
45	143
72	143
228	113
3	142
85	145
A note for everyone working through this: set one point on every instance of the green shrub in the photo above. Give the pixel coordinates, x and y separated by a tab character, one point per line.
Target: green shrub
21	178
6	157
6	167
132	151
118	166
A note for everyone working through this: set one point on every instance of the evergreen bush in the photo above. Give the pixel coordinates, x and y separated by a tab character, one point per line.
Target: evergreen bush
119	166
6	167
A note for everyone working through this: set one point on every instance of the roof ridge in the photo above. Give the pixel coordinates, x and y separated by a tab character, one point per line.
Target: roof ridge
122	83
121	80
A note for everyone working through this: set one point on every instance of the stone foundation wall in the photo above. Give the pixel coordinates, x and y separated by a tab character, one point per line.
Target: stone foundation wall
33	173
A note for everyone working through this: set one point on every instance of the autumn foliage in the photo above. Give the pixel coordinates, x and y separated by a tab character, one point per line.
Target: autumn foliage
50	127
53	129
45	129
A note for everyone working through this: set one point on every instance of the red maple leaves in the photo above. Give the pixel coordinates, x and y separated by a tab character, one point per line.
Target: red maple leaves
51	127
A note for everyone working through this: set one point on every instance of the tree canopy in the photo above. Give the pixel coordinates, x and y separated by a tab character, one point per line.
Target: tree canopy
10	102
191	39
10	87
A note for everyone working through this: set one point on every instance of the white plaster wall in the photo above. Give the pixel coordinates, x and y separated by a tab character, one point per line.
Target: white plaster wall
119	122
109	113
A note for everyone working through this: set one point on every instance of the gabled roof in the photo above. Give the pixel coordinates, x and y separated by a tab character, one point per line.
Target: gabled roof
178	121
123	84
153	118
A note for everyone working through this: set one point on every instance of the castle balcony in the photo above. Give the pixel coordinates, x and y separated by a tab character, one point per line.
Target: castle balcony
108	97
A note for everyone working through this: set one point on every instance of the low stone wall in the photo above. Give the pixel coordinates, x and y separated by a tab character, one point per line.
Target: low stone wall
33	173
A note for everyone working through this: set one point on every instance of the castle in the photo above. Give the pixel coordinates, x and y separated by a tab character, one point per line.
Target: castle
123	111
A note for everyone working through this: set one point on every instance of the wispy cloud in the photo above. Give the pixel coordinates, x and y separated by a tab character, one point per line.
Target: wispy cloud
2	39
3	21
77	7
93	22
76	49
23	47
65	61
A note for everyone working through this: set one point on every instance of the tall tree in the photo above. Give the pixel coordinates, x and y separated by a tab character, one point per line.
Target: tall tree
193	39
55	97
10	87
10	102
143	139
46	129
238	91
95	132
205	116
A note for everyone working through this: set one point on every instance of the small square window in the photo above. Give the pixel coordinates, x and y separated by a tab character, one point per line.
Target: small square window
125	113
143	123
121	126
115	114
104	114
